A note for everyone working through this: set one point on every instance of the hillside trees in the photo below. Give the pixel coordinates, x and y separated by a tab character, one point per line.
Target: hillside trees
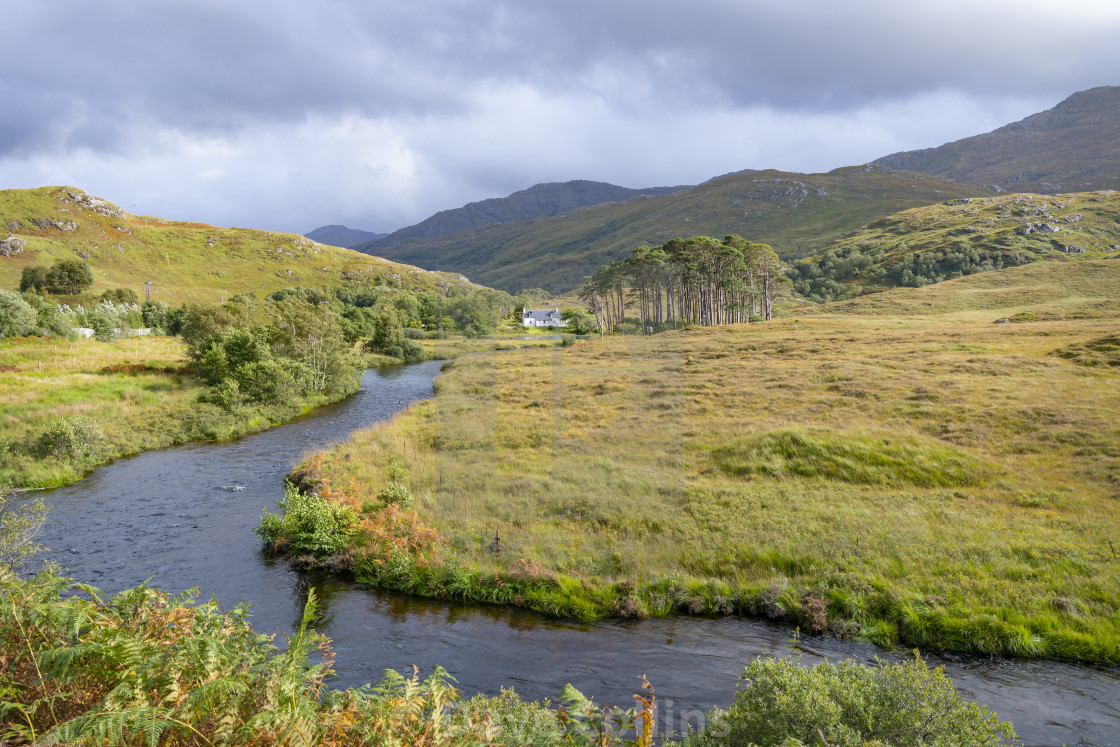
699	280
70	276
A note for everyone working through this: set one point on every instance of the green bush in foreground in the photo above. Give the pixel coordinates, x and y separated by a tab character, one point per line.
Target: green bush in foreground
849	704
308	524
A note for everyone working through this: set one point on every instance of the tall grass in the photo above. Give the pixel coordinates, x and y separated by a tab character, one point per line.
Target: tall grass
929	478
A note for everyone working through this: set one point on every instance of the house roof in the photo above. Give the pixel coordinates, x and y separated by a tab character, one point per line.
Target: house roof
543	315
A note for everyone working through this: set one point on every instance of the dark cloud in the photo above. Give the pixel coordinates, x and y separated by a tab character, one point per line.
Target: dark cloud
416	105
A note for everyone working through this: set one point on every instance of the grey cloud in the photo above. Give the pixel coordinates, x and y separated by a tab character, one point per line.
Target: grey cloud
458	100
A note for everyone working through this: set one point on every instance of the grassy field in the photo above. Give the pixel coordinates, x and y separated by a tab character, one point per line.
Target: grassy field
900	468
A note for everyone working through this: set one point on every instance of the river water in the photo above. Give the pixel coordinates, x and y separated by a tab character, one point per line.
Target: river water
183	518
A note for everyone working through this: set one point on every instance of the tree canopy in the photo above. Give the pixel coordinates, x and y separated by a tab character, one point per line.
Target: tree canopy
699	280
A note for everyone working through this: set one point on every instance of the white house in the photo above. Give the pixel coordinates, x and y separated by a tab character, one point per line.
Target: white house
546	318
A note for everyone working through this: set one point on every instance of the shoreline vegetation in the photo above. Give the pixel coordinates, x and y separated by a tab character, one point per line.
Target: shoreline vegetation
142	667
900	469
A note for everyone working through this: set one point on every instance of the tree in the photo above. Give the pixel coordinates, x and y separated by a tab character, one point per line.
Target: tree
579	322
33	279
389	332
69	276
16	315
121	295
310	335
20	522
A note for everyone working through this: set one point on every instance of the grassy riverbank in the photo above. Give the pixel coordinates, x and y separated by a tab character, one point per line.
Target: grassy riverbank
899	469
69	406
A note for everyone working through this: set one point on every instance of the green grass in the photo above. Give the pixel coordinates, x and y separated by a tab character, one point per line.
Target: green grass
185	261
851	457
896	468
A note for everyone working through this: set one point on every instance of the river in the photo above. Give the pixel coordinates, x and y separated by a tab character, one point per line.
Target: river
183	517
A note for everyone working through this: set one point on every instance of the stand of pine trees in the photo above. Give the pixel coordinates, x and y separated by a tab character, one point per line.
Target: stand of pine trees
696	281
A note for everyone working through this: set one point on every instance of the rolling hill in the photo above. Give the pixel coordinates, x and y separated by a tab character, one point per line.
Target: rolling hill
1074	147
964	236
796	213
184	261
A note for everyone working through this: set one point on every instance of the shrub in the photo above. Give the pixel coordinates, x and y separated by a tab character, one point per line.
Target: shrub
156	315
850	704
69	438
120	295
308	523
53	320
16	315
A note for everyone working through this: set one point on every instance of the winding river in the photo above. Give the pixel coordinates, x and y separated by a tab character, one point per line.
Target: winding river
183	518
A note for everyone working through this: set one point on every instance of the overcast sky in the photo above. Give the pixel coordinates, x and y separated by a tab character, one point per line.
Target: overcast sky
292	114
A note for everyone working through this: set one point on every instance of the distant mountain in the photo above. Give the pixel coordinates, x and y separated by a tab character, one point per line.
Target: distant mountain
178	260
796	213
1074	147
336	235
538	201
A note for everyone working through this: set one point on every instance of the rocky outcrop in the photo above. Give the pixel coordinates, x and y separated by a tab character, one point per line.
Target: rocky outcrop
47	224
88	202
12	246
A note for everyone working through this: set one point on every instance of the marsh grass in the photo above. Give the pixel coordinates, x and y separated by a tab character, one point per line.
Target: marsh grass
138	393
927	478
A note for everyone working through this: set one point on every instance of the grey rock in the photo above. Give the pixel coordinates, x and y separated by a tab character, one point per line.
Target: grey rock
12	246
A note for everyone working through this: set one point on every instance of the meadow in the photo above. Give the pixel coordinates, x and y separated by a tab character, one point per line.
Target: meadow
936	467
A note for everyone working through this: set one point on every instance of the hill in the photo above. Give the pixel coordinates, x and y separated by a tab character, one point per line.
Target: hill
184	261
965	236
538	201
1073	147
795	213
335	235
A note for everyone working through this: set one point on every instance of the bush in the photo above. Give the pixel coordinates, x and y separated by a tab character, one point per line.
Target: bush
120	295
51	319
16	315
156	315
308	523
850	704
69	438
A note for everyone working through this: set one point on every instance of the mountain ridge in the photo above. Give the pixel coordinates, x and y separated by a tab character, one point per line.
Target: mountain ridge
343	236
1072	147
546	199
556	252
